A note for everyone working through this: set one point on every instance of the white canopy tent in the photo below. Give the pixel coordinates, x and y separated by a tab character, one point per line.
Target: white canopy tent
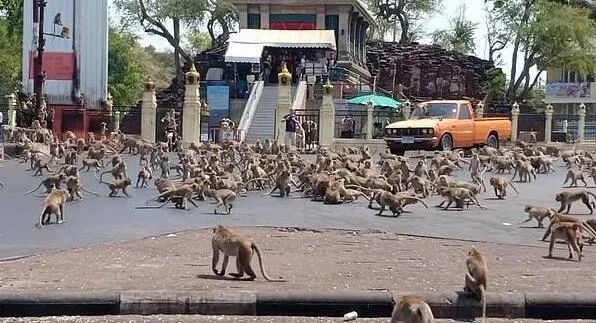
247	45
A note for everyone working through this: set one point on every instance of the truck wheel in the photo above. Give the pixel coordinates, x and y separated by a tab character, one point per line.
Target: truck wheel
397	151
492	141
447	142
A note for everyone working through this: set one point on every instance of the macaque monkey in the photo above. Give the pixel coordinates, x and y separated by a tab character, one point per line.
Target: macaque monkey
71	157
54	204
144	176
234	244
118	171
539	213
445	170
49	183
500	185
40	165
117	185
475	282
223	197
74	187
568	197
282	183
412	309
559	217
571	234
91	163
574	175
180	195
459	195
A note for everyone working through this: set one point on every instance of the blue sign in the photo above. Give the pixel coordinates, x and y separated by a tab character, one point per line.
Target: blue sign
218	99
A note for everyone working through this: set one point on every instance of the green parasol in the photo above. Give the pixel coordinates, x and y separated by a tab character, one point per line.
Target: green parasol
376	100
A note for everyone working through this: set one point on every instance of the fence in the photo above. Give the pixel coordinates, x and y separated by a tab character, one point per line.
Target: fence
564	127
309	120
531	122
130	119
358	129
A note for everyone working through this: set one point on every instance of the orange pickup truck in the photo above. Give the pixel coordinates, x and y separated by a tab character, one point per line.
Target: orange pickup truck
445	125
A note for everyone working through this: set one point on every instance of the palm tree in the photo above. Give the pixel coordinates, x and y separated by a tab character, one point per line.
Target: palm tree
460	35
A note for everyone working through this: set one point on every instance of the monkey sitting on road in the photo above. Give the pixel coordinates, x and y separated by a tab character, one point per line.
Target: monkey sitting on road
574	175
412	309
539	213
476	281
282	183
571	234
568	197
234	244
54	204
117	185
500	185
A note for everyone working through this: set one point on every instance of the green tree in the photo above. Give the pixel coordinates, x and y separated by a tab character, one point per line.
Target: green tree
125	71
198	41
400	15
547	34
11	40
460	35
158	65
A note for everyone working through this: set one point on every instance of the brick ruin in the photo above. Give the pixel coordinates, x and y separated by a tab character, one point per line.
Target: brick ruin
427	71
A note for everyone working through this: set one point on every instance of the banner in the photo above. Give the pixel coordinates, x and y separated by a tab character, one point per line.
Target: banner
218	99
567	90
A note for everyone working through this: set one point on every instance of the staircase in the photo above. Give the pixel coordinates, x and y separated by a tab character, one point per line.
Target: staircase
263	122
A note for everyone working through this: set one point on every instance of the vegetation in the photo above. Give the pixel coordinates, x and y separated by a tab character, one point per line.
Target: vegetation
460	35
11	40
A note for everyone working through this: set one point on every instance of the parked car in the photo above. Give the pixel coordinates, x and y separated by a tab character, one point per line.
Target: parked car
446	125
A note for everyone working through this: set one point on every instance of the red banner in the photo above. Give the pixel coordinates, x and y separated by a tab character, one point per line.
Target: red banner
58	66
293	25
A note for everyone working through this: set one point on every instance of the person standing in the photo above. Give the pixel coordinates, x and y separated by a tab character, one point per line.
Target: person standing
291	125
347	127
1	126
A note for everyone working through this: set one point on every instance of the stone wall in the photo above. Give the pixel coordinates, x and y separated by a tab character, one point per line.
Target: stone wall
427	72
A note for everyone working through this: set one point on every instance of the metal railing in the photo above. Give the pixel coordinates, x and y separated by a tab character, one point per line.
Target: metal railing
250	108
358	129
383	117
130	119
565	125
531	122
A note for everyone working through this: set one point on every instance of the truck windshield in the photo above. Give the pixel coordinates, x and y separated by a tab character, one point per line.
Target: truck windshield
435	110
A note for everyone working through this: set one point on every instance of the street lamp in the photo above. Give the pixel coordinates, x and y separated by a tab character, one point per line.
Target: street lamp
38	18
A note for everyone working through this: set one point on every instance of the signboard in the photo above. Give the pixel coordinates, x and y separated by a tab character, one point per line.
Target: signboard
567	90
218	99
58	66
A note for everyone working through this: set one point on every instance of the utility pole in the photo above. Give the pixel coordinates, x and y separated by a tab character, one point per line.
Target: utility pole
38	17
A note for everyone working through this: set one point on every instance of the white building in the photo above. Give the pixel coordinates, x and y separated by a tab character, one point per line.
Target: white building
75	65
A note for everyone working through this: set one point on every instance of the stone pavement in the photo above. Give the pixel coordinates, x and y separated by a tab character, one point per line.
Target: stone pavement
309	260
229	319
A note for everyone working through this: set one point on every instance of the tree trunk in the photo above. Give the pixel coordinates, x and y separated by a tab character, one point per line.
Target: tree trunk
405	28
176	45
518	39
211	32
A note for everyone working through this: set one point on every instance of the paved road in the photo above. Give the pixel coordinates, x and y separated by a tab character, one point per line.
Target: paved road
103	219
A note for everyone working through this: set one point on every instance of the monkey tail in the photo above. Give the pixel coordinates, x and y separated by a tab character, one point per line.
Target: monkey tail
33	190
256	249
513	187
483	296
88	191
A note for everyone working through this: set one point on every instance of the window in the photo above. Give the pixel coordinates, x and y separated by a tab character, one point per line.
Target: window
254	21
332	23
464	112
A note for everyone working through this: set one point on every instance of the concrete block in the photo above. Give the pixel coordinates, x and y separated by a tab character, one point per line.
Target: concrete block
457	305
560	306
58	304
154	302
223	303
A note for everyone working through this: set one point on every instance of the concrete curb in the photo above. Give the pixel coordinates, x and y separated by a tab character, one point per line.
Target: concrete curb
451	305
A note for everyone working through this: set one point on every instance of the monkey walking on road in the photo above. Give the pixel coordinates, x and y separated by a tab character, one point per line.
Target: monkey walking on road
571	234
234	244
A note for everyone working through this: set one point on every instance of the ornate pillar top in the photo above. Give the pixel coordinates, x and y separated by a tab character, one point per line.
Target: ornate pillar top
284	76
582	108
549	109
515	109
327	87
192	76
149	85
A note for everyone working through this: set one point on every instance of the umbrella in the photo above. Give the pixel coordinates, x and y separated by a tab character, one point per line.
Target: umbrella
376	100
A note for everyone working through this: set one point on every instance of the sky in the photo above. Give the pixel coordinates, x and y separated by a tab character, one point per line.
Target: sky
474	12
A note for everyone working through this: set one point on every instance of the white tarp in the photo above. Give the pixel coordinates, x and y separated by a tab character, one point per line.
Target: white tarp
243	52
247	45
